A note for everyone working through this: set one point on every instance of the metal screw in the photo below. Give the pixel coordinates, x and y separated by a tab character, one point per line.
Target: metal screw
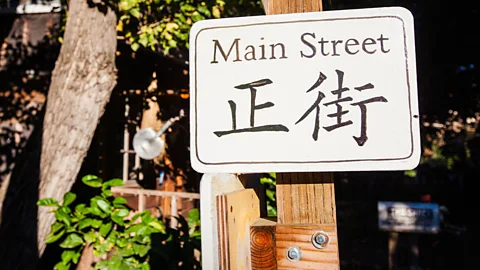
320	239
294	254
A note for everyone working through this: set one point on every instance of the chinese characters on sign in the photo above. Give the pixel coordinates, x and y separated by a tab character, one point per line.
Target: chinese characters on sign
361	139
342	99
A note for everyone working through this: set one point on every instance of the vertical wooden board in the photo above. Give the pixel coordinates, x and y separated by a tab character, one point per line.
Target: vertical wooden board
291	6
305	198
238	210
301	236
212	185
262	245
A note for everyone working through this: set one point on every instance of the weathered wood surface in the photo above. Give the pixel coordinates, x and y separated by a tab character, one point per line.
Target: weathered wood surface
236	212
212	185
306	198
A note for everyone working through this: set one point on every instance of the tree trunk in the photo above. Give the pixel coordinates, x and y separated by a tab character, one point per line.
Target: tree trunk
82	82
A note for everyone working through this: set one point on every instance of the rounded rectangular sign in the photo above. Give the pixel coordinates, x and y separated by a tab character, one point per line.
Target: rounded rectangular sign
321	91
409	217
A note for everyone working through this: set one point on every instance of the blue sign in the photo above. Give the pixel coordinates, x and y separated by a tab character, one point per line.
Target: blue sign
409	217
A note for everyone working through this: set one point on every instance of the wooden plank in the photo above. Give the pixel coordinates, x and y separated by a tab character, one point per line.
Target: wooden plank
236	212
262	245
304	198
212	185
154	192
301	236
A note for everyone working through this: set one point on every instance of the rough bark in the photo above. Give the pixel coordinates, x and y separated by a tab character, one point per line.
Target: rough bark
82	82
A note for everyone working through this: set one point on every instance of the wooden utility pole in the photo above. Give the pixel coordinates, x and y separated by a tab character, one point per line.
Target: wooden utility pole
305	202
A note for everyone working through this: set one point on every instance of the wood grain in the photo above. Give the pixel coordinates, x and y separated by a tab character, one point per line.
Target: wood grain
304	198
301	236
236	212
262	245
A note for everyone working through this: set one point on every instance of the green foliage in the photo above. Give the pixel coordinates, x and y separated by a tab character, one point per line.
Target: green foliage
269	182
104	224
165	25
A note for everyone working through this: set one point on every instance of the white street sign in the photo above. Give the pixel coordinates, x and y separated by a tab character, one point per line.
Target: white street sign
322	91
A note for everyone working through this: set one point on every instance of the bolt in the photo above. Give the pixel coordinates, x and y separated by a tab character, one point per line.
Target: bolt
294	254
320	239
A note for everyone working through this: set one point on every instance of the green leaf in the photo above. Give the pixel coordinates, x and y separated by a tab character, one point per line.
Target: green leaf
61	266
121	242
102	265
193	217
145	266
197	16
53	237
270	194
72	240
105	228
76	256
156	225
119	200
141	250
135	12
96	223
67	255
135	228
104	205
81	209
122	212
107	193
56	227
118	220
195	234
126	252
187	8
147	217
92	181
62	215
204	10
135	217
89	237
116	182
143	39
68	198
47	202
135	46
84	223
89	222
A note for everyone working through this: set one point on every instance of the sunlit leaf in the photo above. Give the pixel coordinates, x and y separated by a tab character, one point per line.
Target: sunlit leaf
116	182
92	181
47	202
67	256
68	198
72	240
105	228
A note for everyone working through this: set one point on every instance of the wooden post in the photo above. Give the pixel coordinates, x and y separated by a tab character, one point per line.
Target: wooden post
304	199
174	207
141	202
392	250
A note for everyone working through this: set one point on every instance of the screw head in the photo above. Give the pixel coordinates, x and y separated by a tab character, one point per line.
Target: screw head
320	239
294	254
